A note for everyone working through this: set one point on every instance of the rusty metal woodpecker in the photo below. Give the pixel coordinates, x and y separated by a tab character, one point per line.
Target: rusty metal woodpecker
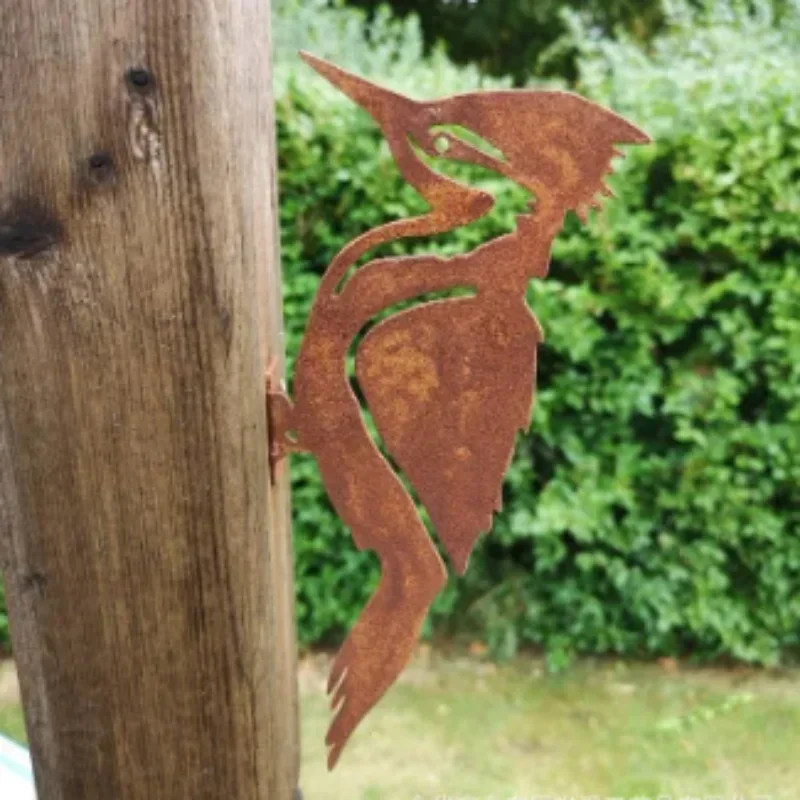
449	383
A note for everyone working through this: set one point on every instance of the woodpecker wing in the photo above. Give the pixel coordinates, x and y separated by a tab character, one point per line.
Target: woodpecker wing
449	384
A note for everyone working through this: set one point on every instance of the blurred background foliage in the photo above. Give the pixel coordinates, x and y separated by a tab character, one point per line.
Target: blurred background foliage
654	507
527	38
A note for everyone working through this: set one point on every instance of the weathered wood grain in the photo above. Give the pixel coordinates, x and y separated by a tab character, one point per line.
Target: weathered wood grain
146	558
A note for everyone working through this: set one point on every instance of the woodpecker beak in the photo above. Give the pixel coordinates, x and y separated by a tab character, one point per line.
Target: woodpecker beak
388	108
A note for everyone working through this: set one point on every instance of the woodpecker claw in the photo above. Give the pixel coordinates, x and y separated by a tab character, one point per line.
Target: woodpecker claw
282	440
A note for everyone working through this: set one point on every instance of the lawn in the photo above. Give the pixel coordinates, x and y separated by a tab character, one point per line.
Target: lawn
460	727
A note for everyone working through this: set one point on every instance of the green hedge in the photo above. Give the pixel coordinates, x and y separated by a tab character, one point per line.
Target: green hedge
654	508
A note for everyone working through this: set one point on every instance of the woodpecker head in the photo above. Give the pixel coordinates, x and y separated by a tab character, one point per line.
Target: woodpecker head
557	145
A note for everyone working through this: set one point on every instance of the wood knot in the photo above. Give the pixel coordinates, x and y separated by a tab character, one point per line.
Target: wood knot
100	168
140	80
33	581
144	135
27	229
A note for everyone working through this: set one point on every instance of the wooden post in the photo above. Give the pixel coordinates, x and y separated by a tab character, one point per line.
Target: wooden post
146	558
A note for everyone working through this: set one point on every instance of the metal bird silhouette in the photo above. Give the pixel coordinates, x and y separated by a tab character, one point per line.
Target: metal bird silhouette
449	383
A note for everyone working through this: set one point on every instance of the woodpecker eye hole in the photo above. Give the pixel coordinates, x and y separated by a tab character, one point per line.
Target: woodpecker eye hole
453	134
442	144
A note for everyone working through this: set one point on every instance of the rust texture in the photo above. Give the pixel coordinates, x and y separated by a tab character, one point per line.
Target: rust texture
449	383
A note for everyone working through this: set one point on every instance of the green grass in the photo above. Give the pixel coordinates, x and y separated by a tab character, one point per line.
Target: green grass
458	727
11	723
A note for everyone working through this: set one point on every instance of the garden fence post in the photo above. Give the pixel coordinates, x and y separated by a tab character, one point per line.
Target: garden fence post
146	556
